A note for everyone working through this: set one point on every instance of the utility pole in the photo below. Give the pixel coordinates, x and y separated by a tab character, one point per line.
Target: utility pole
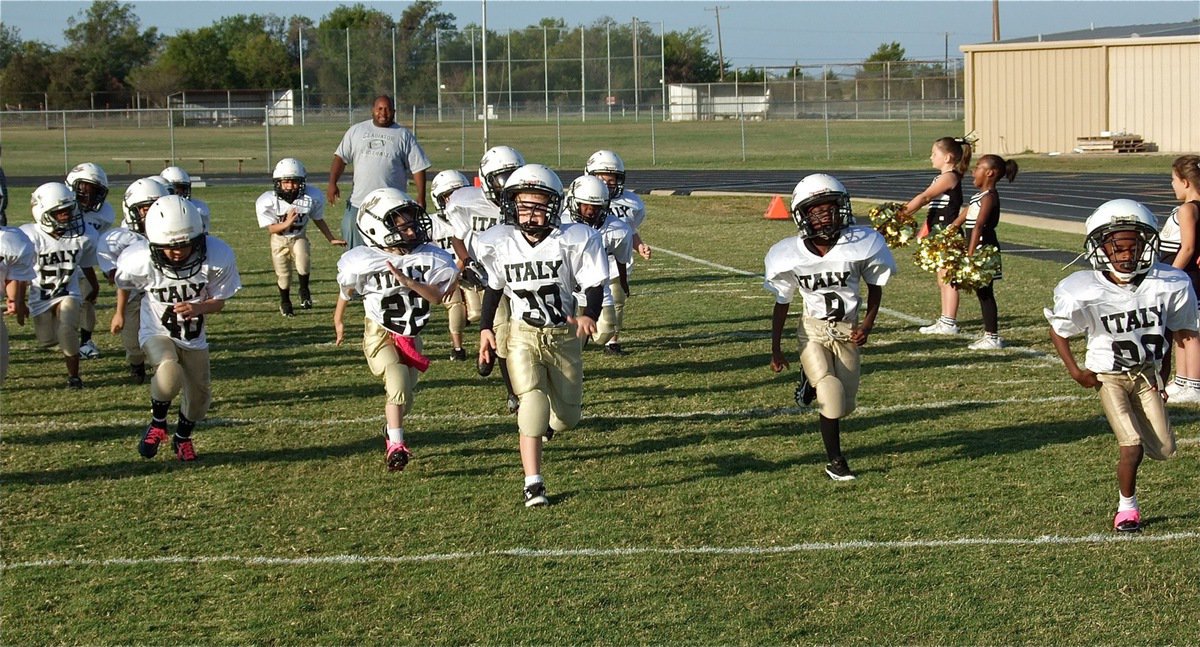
720	45
995	20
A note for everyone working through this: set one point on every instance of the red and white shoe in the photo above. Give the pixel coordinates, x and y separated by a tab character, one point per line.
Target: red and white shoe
397	456
1128	521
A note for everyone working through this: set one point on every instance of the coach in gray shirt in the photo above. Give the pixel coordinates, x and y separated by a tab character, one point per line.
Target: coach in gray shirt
384	154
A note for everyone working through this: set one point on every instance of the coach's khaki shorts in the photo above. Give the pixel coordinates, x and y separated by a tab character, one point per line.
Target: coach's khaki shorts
399	379
1136	412
288	253
59	326
831	362
179	369
546	368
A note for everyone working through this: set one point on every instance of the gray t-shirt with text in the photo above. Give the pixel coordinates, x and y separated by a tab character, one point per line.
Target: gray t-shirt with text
382	157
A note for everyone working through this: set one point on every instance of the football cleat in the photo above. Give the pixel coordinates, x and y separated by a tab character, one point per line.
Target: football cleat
305	299
548	435
614	348
512	403
285	308
184	449
138	372
73	382
154	435
88	350
805	391
397	456
1128	521
535	495
458	355
838	470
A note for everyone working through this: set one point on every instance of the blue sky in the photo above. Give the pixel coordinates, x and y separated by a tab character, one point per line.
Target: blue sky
753	33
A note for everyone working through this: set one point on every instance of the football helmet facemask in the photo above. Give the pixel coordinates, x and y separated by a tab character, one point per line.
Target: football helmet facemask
177	180
141	195
495	167
51	200
90	184
608	163
1117	216
445	183
289	169
173	223
818	189
532	178
588	190
389	218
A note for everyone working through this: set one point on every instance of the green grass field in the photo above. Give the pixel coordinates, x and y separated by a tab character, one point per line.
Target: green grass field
39	151
690	505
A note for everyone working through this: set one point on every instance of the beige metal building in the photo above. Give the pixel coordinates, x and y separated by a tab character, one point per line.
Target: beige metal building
1041	93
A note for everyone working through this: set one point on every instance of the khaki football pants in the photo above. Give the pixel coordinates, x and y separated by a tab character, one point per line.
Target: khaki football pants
129	334
606	325
831	362
474	301
501	328
546	368
399	379
619	297
59	326
288	253
179	370
456	311
87	309
1136	412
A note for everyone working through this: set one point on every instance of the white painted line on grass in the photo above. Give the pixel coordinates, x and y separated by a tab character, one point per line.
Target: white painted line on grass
532	553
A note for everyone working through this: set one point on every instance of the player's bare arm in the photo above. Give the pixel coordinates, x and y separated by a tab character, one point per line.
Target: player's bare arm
339	326
333	240
1083	376
863	330
191	310
118	318
642	248
427	291
89	273
778	320
332	193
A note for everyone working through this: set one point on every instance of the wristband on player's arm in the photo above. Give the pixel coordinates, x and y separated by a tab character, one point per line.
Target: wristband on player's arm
595	301
491	301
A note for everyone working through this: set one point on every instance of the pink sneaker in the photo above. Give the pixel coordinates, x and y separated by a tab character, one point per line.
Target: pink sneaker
397	456
1128	521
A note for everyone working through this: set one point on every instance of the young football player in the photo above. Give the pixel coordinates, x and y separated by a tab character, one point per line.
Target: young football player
1179	241
460	308
90	184
950	156
471	211
825	264
537	264
285	213
1129	307
629	208
399	275
16	271
186	277
587	204
64	249
126	319
179	182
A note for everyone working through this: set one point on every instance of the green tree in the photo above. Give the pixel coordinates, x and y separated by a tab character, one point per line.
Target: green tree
10	42
369	32
26	77
105	43
688	58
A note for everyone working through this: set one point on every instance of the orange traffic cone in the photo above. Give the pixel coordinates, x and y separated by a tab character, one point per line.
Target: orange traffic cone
777	210
478	182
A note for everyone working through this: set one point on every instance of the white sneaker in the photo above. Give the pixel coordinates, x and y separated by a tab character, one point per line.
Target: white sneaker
89	350
1173	390
938	328
986	343
1186	395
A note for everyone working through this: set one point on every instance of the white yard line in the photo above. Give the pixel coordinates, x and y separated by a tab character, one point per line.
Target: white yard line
632	551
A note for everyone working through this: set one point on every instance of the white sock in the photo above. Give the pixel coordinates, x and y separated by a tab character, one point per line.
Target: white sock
949	321
1126	503
530	480
396	435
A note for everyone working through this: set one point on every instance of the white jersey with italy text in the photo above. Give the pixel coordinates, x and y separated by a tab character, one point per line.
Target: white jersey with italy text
469	212
59	263
829	284
16	256
440	232
363	271
100	220
217	278
272	210
1126	326
540	280
113	243
630	208
617	237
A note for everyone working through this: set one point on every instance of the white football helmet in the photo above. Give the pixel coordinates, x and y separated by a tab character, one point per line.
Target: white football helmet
174	222
609	163
389	218
1117	216
588	189
141	195
178	180
820	188
88	174
532	178
445	183
494	168
289	169
51	199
